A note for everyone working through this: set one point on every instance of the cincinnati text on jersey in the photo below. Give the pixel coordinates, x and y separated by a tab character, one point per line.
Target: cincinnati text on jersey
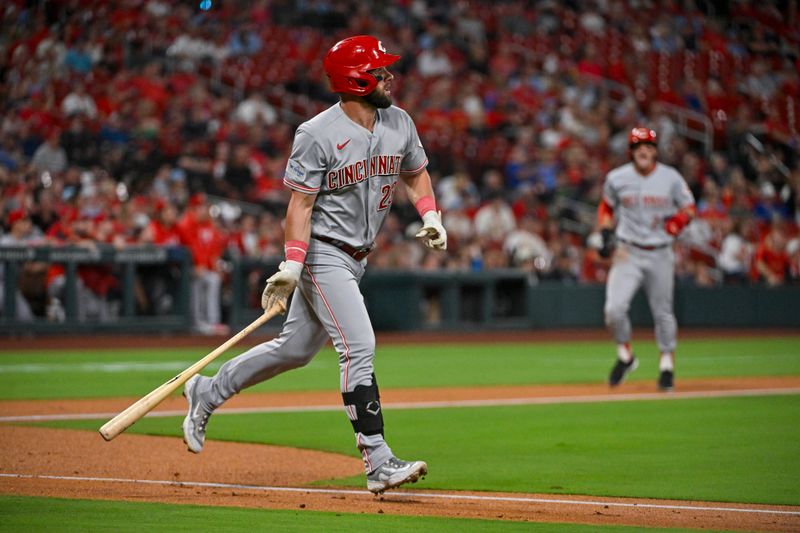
377	165
646	200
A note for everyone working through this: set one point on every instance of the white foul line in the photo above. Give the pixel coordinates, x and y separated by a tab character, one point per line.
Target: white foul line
499	402
445	496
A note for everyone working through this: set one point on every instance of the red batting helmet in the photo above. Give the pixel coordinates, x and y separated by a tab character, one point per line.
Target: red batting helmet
641	136
348	61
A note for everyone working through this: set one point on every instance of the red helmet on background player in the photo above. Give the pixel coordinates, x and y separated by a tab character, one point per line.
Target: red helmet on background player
348	61
641	136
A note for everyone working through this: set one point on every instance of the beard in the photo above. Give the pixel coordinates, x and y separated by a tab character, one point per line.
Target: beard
379	100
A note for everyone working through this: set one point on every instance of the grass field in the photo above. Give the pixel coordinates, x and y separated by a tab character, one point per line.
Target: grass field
40	514
740	449
85	373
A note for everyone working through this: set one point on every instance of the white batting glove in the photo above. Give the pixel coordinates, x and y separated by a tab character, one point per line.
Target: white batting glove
432	233
281	284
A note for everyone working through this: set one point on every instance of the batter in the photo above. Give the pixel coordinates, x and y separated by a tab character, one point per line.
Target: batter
652	204
343	170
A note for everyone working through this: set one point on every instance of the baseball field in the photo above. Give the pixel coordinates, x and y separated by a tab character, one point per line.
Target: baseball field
520	432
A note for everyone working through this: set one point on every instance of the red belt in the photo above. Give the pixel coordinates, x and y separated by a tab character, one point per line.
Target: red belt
356	253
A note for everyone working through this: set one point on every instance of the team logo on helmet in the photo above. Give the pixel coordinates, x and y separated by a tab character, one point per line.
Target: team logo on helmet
641	136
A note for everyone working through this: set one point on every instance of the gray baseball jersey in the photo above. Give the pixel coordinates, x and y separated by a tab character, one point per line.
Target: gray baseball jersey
353	171
644	256
641	203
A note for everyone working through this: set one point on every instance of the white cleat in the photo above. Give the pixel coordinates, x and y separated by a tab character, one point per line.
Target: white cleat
194	425
393	473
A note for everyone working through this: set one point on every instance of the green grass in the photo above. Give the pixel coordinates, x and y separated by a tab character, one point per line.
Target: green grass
723	449
108	373
31	514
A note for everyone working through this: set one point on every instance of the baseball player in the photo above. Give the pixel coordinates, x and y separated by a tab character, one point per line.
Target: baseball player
652	204
343	170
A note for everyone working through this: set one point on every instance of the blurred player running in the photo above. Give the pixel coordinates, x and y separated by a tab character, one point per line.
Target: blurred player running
652	204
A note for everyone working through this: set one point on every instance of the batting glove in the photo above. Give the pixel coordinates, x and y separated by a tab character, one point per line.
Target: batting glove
675	224
432	233
281	284
608	243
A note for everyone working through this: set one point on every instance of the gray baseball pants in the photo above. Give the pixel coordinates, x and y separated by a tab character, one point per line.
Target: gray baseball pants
327	303
632	268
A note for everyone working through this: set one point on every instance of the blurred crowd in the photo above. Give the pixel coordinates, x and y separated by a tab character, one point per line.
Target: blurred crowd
154	121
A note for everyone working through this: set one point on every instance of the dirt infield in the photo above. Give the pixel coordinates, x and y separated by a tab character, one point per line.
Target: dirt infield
53	462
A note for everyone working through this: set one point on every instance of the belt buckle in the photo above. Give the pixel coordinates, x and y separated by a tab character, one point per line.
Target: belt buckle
363	252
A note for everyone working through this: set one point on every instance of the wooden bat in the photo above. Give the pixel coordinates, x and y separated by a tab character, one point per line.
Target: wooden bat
144	405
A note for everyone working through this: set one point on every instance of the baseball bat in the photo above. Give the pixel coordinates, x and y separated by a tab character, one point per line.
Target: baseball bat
147	403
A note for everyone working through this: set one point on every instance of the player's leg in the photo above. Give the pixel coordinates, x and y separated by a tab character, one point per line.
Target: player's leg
335	295
213	286
197	291
659	285
623	281
301	337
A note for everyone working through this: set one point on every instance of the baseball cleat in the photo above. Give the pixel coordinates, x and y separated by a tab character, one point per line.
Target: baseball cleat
620	370
194	425
393	473
665	381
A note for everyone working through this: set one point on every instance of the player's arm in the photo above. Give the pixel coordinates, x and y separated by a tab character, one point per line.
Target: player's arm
298	220
605	224
675	224
420	192
296	236
684	199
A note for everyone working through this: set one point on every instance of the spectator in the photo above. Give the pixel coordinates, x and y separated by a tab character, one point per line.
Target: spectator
255	110
79	102
526	244
771	261
22	233
433	62
50	156
495	219
736	253
244	41
206	243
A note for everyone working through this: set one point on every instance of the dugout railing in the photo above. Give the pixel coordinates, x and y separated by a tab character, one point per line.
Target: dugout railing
60	292
396	300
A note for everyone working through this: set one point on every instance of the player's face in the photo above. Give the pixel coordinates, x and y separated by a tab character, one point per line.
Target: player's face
381	97
644	157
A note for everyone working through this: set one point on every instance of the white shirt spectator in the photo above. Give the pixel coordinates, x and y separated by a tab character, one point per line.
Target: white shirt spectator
495	220
735	254
196	48
255	109
521	245
458	225
434	62
79	102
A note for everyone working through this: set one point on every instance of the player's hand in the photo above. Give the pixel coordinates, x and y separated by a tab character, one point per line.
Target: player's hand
608	243
432	233
281	284
674	225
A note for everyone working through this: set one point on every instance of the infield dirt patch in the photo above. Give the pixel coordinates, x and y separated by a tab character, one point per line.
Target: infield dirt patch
79	464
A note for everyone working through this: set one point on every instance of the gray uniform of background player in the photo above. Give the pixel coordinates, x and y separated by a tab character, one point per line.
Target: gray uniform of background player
327	302
641	203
